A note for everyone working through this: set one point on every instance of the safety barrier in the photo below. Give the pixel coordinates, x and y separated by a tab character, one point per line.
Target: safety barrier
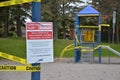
19	68
72	47
13	58
26	67
14	2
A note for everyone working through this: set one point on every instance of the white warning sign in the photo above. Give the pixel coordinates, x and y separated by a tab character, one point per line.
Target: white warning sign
39	42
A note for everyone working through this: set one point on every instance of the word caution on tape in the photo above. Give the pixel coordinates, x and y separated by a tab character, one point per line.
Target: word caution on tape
19	68
26	67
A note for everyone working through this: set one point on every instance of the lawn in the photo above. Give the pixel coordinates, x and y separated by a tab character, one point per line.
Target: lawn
17	47
106	52
13	46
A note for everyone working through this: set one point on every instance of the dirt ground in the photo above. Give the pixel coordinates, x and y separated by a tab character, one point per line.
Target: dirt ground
68	70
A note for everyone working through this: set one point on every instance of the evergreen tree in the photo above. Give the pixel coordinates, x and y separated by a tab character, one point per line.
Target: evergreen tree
14	16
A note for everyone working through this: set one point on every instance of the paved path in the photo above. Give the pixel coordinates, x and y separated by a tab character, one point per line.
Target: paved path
63	71
67	70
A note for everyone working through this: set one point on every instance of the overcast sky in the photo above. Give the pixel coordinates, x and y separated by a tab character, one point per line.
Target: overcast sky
81	4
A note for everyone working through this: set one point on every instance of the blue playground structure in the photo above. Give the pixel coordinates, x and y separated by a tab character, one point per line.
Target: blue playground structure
87	31
87	37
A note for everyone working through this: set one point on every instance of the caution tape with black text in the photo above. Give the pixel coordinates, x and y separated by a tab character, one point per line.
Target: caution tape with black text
19	68
27	67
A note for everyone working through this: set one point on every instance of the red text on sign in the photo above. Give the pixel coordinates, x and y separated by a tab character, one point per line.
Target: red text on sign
39	35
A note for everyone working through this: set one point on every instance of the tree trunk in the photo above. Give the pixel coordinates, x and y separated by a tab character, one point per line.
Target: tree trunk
55	28
63	22
19	32
5	33
117	34
5	21
64	30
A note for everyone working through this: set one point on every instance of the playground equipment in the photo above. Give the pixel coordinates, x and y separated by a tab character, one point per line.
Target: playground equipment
110	49
87	38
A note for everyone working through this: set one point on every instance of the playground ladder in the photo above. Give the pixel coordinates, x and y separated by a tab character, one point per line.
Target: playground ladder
87	55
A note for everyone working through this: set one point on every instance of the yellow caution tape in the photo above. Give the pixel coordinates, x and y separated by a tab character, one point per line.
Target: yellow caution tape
76	38
85	50
69	49
99	27
15	2
97	47
36	0
72	47
19	68
77	47
89	27
65	49
106	25
13	58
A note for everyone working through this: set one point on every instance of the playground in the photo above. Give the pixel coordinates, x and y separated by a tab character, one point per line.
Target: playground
87	37
82	65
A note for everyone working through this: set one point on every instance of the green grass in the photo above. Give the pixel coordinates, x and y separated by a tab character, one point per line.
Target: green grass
106	52
59	45
17	47
13	46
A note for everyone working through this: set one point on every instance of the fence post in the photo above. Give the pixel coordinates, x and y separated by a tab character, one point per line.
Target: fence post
36	17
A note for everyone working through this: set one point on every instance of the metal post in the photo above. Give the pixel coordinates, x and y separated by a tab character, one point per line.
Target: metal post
114	22
36	11
113	39
99	38
108	56
77	53
109	44
36	17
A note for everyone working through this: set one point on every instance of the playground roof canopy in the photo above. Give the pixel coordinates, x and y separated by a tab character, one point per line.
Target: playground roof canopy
88	11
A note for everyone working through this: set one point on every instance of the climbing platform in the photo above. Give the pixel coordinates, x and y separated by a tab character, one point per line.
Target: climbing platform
87	55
